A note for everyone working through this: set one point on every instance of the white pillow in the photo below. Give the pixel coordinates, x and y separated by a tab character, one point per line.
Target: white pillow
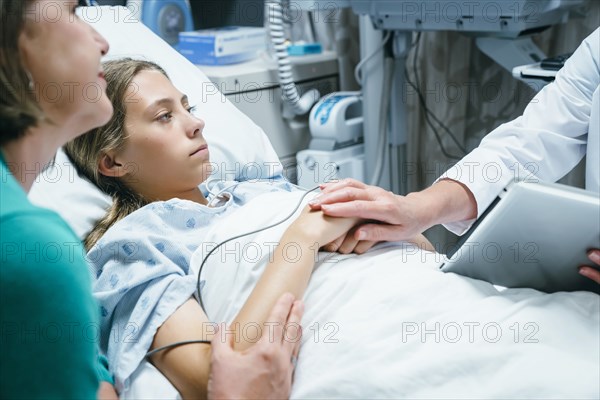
239	149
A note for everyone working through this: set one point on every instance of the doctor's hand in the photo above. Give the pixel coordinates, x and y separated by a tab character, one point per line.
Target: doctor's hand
590	272
264	371
403	217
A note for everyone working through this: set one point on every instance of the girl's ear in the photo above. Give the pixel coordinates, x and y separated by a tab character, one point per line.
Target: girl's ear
108	166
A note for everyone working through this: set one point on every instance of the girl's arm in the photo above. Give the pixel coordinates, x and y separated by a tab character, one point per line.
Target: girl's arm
291	267
188	366
262	371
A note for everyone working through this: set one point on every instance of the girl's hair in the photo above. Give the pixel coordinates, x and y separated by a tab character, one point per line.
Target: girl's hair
87	150
19	109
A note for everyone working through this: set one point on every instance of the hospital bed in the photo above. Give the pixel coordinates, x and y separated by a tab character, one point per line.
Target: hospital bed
387	324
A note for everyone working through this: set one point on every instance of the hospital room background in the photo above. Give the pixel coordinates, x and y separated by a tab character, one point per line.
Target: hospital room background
376	299
468	92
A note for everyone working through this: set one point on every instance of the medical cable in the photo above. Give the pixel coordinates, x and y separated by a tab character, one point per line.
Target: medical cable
173	345
216	180
423	102
299	105
311	24
185	342
388	72
216	196
359	66
428	113
198	289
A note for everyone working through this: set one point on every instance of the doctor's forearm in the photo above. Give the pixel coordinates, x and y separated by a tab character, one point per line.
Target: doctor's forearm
445	201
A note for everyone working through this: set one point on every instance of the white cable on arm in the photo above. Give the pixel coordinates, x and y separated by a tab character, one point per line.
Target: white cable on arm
300	105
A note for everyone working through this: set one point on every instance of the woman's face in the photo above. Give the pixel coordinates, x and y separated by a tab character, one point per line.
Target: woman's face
62	53
165	155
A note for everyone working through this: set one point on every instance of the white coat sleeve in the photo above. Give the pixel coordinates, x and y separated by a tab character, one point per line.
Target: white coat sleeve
543	144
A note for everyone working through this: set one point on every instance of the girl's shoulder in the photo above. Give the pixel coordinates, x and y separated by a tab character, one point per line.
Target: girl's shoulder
158	214
164	220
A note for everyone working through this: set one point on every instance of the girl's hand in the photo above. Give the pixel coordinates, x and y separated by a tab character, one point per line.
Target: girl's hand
315	226
348	243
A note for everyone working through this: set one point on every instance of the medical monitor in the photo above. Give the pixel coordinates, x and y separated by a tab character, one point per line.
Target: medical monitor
506	18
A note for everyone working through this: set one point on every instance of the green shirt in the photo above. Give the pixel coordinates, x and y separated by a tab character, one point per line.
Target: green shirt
49	329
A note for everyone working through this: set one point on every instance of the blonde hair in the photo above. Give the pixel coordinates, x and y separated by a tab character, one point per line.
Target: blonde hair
19	109
87	150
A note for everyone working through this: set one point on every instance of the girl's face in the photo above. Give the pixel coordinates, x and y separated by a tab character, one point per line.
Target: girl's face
165	155
62	53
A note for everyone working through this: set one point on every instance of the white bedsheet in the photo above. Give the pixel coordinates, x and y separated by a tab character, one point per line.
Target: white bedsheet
389	324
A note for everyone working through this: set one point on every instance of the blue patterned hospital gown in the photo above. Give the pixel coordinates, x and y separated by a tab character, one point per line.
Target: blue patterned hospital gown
142	268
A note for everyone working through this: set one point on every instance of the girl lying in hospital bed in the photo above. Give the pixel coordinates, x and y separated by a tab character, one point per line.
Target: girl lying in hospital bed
151	158
146	253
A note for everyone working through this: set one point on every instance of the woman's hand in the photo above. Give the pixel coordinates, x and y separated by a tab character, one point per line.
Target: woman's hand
106	391
263	371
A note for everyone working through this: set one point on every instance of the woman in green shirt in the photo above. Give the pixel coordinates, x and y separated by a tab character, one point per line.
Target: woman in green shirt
49	69
52	89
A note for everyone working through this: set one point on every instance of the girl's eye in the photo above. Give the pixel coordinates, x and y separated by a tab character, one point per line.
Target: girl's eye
165	117
191	109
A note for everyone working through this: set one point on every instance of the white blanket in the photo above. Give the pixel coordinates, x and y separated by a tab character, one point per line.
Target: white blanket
389	324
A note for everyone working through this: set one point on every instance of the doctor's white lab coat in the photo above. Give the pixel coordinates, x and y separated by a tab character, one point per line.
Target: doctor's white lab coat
559	126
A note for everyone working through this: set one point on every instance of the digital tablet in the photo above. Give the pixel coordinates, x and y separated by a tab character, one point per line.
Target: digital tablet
534	235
